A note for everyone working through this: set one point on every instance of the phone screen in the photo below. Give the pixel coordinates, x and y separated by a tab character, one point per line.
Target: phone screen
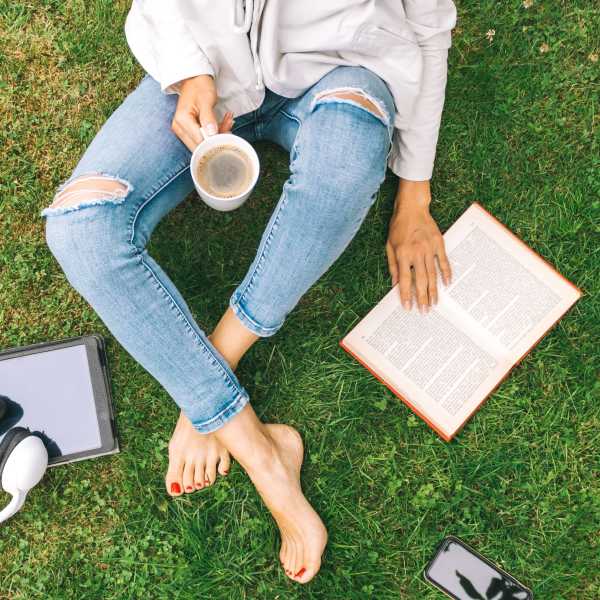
464	575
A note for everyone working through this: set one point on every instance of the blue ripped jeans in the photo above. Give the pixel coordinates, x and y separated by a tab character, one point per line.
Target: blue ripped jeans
338	151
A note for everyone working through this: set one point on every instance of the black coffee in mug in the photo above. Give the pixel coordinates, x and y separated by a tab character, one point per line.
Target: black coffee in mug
224	171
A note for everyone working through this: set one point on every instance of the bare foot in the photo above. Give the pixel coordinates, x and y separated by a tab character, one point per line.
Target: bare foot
194	459
303	535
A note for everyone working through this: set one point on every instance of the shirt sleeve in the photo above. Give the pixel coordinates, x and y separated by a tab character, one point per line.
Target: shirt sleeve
163	45
413	147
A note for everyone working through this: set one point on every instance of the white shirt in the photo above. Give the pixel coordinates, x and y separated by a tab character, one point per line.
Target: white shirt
289	45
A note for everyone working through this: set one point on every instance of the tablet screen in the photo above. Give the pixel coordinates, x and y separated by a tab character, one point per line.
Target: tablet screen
51	392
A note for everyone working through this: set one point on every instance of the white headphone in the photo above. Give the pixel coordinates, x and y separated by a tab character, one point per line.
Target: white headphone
23	462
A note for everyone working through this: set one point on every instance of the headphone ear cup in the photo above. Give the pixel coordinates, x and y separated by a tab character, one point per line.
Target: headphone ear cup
9	443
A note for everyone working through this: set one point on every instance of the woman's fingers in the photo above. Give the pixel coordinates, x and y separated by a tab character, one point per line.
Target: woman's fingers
187	129
392	264
207	115
226	123
423	273
405	279
444	262
421	282
431	278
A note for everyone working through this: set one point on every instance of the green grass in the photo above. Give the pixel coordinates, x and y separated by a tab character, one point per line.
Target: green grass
520	483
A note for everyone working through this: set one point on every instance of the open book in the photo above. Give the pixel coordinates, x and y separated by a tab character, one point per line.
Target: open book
502	300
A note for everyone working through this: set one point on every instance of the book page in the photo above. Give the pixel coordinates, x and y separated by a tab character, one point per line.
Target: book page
502	299
500	285
428	359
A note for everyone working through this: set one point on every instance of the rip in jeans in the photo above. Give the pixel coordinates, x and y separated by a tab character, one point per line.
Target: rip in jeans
88	190
357	97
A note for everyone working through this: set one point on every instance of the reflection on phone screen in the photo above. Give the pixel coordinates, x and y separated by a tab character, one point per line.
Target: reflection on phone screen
468	577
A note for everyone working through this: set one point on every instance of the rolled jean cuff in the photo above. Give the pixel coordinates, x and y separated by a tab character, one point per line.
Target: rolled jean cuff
250	323
232	409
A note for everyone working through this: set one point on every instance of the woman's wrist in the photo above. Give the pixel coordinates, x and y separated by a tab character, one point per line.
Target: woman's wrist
412	195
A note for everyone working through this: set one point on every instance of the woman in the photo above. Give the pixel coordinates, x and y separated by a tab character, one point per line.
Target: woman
348	88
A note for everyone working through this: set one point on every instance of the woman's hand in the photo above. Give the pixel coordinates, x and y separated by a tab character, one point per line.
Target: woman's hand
414	240
197	99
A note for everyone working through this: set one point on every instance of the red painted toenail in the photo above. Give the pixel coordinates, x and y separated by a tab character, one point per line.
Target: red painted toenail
175	489
198	485
189	488
225	472
300	572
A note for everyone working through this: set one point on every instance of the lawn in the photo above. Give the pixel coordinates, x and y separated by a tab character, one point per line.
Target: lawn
520	483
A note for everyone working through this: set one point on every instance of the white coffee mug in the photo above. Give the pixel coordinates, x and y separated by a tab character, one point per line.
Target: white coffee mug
242	145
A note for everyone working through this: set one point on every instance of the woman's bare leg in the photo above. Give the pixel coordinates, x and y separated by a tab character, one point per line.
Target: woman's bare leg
194	457
272	456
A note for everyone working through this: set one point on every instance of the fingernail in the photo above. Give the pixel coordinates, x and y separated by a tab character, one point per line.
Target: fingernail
175	489
300	572
406	304
189	488
211	129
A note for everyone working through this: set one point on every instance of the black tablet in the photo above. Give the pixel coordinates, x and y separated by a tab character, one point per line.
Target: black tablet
62	390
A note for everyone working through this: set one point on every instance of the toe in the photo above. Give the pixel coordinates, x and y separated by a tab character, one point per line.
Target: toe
292	559
211	468
188	476
289	560
307	573
298	561
174	477
282	552
224	463
199	475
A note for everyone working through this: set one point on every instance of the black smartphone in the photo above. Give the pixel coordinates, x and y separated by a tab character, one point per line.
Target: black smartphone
463	574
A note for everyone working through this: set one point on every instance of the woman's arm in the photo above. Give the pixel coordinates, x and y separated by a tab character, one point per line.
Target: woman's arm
414	238
161	42
414	143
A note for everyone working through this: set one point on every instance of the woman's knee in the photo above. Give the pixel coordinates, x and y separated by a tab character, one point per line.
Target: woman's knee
88	190
348	143
83	230
358	86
